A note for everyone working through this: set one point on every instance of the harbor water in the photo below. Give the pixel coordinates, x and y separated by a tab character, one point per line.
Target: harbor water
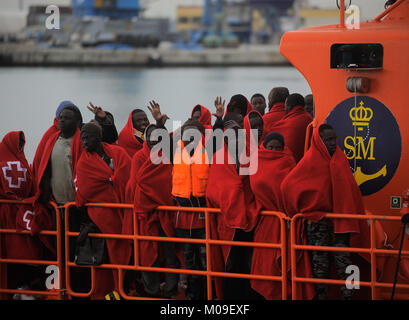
29	97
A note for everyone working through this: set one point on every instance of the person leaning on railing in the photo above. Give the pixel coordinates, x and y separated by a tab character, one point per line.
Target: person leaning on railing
101	175
321	183
189	181
16	183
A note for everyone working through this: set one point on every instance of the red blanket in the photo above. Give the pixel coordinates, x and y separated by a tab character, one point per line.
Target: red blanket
41	219
232	194
231	104
152	188
273	167
321	184
276	113
127	140
96	183
136	163
205	116
293	127
16	183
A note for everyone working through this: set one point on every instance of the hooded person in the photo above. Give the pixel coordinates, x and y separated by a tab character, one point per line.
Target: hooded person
239	104
202	115
16	183
101	176
131	137
276	107
230	191
321	183
189	182
275	161
293	125
152	187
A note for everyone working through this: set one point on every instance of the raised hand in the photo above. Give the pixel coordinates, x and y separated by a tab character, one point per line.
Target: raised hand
98	111
219	107
154	108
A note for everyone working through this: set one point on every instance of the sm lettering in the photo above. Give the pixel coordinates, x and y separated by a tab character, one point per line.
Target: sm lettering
358	149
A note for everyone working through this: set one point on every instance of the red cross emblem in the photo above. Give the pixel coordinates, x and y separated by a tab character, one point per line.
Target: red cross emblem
14	174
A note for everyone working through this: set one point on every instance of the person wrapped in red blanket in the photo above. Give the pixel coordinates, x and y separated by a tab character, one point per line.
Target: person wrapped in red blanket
131	137
239	104
275	161
230	191
54	168
202	115
321	183
101	174
293	125
150	186
276	107
16	183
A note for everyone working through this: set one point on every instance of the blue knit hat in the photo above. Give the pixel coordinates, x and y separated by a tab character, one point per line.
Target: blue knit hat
64	105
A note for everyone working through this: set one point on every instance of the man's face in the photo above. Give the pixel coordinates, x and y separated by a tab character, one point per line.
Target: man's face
259	104
274	145
90	141
67	121
140	121
329	138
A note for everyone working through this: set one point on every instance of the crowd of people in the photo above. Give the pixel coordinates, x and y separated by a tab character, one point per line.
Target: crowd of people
91	163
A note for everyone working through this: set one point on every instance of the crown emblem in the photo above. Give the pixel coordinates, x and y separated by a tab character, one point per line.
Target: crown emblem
361	116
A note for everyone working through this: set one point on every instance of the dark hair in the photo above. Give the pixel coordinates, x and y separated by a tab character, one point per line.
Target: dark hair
277	94
309	99
92	127
273	136
240	101
293	100
324	127
136	111
258	95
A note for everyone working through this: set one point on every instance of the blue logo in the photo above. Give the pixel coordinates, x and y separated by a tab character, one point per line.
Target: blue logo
369	135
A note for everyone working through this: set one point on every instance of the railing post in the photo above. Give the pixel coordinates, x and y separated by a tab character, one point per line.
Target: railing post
3	271
293	260
208	258
373	259
342	14
60	264
283	248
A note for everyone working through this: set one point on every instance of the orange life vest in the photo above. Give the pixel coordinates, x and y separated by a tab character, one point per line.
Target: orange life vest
190	174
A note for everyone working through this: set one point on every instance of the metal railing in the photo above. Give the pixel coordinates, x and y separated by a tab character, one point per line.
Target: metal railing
58	262
62	261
